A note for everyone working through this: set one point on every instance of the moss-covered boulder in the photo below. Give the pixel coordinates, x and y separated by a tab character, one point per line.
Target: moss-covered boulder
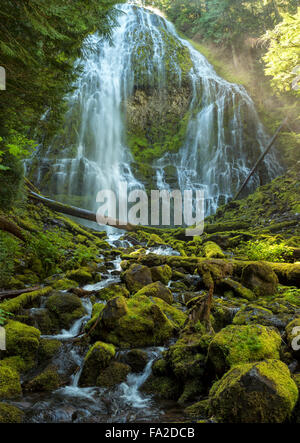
64	309
10	414
113	290
48	348
137	359
41	319
23	341
238	290
261	392
81	275
10	386
254	314
48	380
162	387
113	375
136	277
113	311
198	410
260	278
161	273
97	359
147	322
212	250
242	344
158	290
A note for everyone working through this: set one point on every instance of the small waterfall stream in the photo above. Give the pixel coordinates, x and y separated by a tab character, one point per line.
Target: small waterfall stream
224	135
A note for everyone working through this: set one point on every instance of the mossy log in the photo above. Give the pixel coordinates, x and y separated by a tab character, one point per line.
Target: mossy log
12	228
15	292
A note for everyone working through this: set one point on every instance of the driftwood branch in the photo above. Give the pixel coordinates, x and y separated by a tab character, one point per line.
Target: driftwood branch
262	156
15	292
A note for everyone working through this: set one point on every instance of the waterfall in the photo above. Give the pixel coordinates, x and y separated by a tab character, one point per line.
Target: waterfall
222	139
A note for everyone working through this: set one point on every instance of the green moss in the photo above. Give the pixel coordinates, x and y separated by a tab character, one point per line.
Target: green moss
97	359
64	309
212	250
260	278
48	348
23	341
64	284
157	290
262	392
80	275
10	386
162	387
25	300
242	344
46	381
136	277
10	414
161	273
113	375
113	290
16	363
199	409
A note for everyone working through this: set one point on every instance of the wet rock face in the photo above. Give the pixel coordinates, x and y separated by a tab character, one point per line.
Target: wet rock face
260	278
261	392
136	359
113	375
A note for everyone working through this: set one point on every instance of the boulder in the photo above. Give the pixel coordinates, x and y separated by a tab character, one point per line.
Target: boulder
64	309
136	359
136	277
113	290
10	386
260	392
212	250
80	275
98	358
252	314
113	311
260	278
158	290
22	341
113	375
48	380
10	414
227	284
161	273
242	344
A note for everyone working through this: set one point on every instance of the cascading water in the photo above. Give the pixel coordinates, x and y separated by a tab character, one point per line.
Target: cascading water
223	135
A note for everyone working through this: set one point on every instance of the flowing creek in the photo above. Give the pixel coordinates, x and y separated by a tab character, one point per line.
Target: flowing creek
72	403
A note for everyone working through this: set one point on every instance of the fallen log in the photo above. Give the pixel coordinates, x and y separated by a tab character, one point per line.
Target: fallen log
81	213
15	292
12	228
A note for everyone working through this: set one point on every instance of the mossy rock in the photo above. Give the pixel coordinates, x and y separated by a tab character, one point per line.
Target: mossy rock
48	348
197	410
261	392
42	320
64	309
137	359
227	284
27	300
113	375
212	250
23	341
252	314
10	386
113	311
157	290
242	344
64	284
113	290
161	273
47	381
162	387
146	323
136	277
80	275
155	240
10	414
98	358
260	278
16	363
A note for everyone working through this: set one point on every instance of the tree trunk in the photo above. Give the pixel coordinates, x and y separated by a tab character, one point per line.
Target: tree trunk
12	228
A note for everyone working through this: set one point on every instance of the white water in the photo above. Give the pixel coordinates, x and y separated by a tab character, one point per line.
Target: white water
214	155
